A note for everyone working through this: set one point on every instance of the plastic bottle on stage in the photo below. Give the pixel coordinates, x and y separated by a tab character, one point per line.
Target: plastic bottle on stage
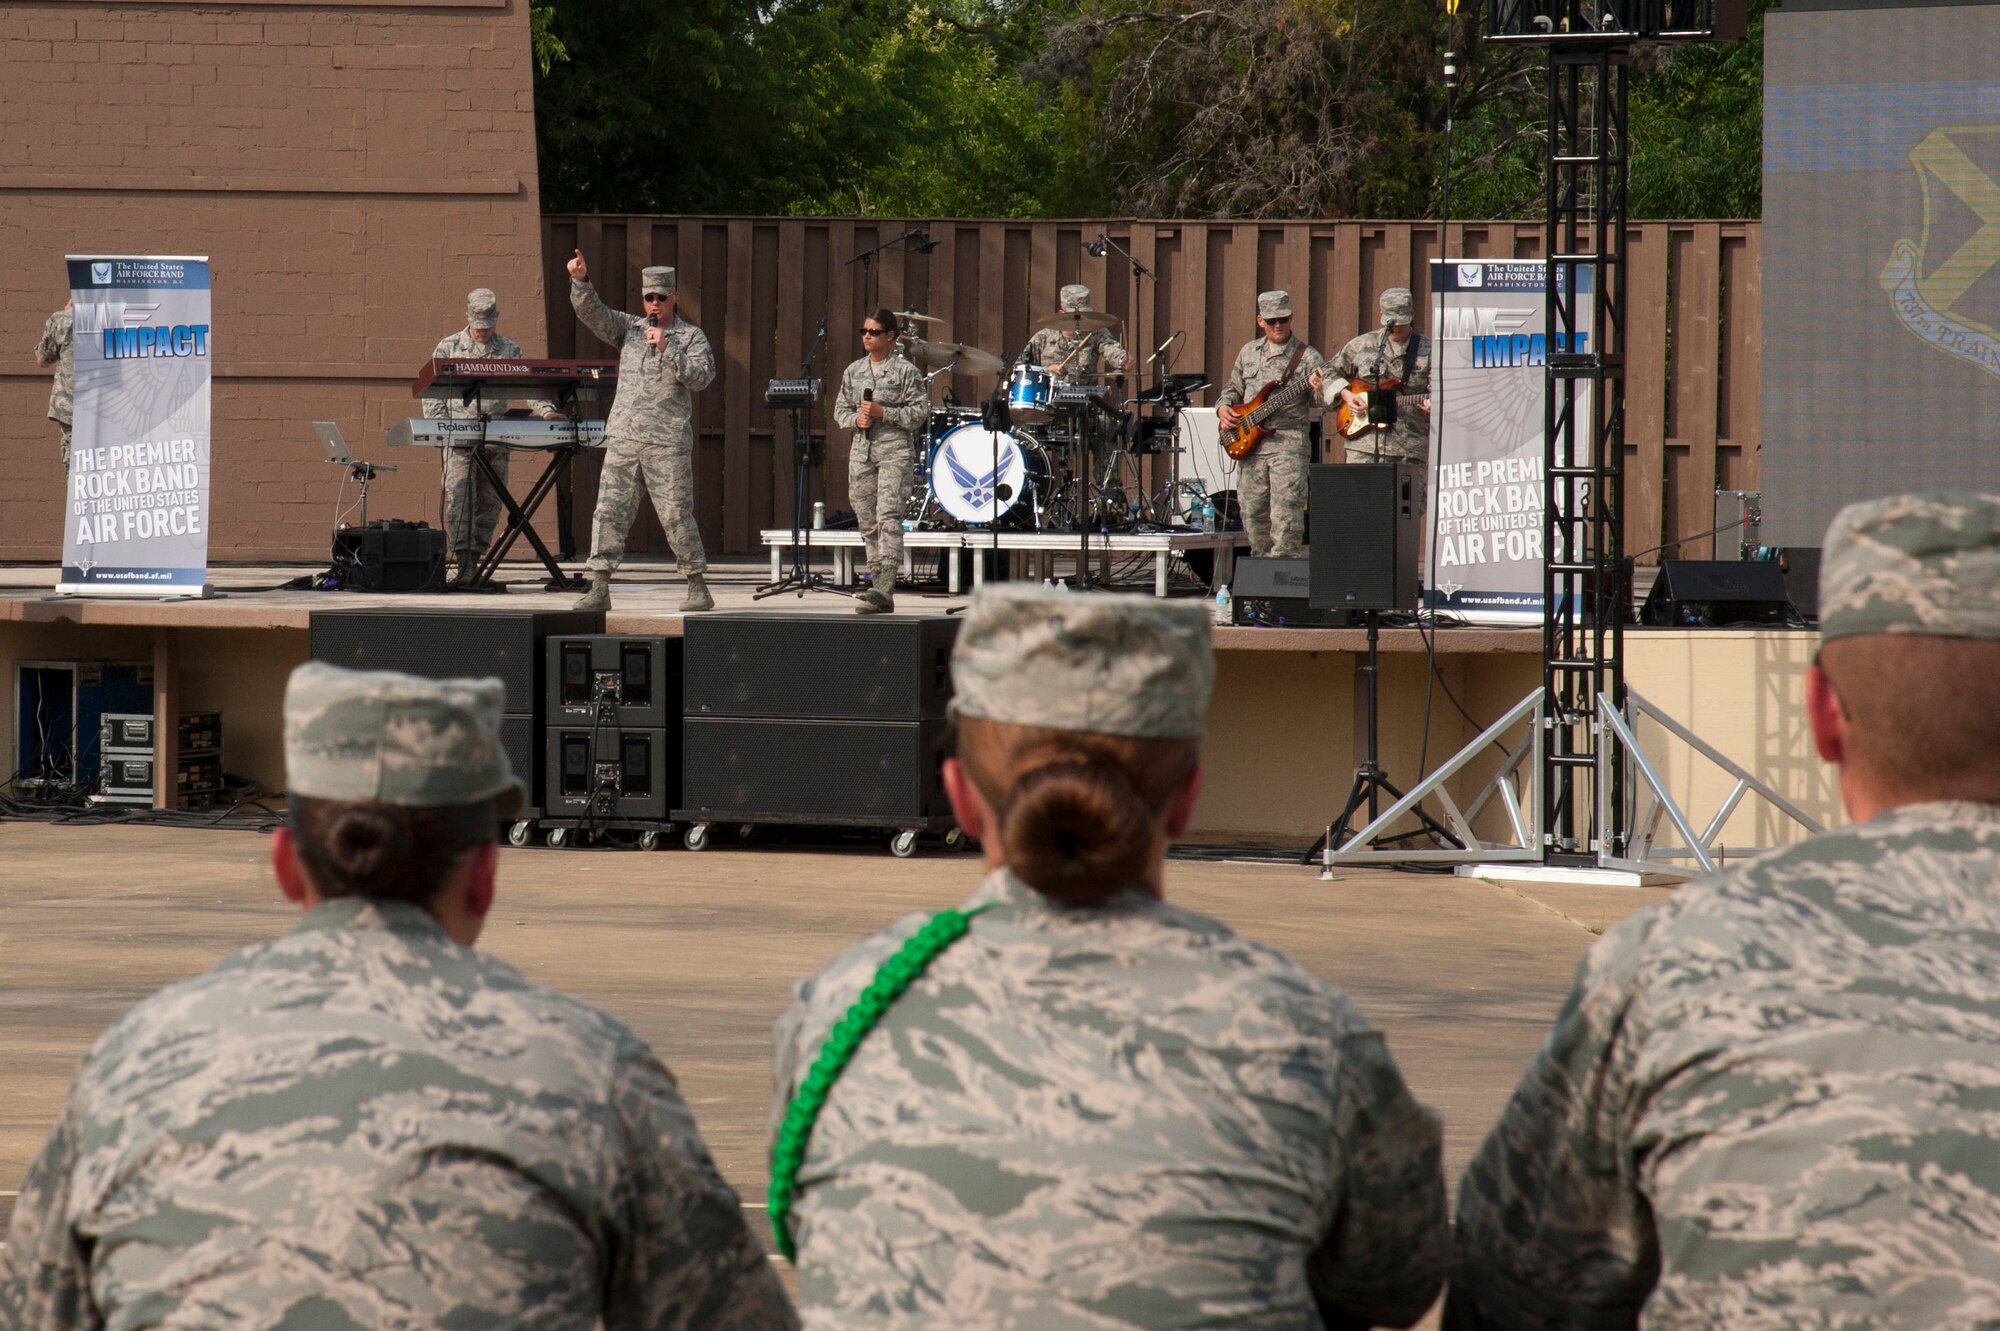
1208	515
819	515
1223	604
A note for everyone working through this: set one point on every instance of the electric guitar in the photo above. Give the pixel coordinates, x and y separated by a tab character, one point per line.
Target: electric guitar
1348	422
1241	440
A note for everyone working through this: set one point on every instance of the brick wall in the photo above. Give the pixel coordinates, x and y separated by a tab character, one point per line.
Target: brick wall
352	170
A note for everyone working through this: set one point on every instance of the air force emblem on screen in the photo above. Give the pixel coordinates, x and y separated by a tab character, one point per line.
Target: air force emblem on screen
1942	285
100	274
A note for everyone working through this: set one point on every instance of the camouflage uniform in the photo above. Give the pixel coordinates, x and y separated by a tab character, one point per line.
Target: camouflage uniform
58	344
1373	356
1271	482
650	433
1080	360
471	504
1769	1102
363	1123
880	460
1117	1115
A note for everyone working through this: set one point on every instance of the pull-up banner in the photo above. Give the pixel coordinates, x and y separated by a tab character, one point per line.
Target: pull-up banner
1488	381
136	522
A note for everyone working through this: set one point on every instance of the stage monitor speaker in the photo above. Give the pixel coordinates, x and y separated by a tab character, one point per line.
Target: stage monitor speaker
605	772
629	681
821	667
1713	593
1276	593
1365	535
505	643
388	555
1801	566
829	772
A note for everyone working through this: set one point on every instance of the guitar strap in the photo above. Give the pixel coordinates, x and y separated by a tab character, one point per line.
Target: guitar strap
1292	365
1409	359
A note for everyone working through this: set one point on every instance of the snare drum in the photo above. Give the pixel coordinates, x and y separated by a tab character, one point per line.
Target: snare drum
979	476
1029	389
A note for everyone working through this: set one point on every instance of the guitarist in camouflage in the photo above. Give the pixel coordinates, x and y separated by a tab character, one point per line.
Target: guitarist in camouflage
1397	352
1271	488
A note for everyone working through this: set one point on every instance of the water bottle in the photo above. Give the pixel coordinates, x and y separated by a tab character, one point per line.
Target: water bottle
819	515
1208	515
1223	605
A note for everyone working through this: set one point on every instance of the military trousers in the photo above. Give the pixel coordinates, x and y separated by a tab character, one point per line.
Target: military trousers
1271	491
65	445
878	485
667	473
471	504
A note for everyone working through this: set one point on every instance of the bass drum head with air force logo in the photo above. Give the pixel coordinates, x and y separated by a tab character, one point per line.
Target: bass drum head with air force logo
970	464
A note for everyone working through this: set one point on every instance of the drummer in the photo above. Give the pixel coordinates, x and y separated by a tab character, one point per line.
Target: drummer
1078	358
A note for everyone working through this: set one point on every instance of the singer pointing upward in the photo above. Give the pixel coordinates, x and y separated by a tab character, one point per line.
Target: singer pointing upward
663	361
882	399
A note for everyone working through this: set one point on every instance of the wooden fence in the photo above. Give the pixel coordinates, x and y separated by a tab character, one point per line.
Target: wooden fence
760	286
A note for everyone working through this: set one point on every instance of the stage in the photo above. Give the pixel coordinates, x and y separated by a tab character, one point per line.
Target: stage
1284	729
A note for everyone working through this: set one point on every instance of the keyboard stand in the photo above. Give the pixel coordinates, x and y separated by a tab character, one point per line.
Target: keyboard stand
520	522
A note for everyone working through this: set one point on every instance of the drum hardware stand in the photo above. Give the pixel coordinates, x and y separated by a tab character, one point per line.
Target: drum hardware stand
915	238
797	398
1369	778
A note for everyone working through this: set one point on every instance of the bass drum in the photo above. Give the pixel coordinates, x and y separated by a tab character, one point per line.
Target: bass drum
978	476
922	509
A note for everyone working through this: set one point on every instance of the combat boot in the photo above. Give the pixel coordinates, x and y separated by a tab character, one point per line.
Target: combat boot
697	598
880	598
468	564
599	595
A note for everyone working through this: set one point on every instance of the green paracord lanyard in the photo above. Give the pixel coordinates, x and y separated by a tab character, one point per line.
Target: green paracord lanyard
896	974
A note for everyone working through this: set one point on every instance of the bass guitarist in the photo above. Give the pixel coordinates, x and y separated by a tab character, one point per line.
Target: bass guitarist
1395	358
1271	488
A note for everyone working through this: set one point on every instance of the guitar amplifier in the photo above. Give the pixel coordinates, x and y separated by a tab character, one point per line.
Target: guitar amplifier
1276	593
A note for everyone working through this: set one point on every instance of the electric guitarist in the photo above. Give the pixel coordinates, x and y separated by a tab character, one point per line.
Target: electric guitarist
1393	359
1271	484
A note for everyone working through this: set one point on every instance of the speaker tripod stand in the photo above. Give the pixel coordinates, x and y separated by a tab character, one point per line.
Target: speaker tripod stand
1370	781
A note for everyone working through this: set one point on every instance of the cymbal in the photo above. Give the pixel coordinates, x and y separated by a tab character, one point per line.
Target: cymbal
1077	322
959	356
919	318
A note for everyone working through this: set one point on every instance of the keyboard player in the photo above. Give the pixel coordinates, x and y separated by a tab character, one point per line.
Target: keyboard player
471	505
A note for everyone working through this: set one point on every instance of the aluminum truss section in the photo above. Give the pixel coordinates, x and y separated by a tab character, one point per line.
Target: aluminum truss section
1583	641
1506	784
1656	803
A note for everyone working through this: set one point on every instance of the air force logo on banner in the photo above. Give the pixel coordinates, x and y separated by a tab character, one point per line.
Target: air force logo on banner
1934	283
1471	274
100	274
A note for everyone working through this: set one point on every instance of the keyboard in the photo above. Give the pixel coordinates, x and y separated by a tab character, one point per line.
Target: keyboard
447	380
422	431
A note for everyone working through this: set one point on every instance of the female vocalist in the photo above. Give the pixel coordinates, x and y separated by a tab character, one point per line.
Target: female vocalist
1069	1103
883	399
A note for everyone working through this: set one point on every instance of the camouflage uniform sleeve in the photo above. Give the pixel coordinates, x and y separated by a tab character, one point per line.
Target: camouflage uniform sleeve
54	339
848	401
45	1281
1342	362
690	358
683	1255
1385	1258
1112	354
1237	390
1552	1230
433	408
913	403
610	327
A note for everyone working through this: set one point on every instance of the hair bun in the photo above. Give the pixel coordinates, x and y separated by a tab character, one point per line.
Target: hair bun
1077	831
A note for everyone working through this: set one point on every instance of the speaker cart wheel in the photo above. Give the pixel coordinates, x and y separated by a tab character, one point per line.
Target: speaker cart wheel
519	832
954	838
557	836
904	845
649	839
697	837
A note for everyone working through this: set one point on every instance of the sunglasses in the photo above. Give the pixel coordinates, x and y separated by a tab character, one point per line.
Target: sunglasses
1280	319
652	296
866	331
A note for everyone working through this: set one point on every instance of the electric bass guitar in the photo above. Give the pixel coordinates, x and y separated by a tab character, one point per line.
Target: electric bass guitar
1241	439
1348	422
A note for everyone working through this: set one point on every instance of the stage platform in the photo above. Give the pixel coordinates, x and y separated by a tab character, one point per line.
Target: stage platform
1023	554
1285	729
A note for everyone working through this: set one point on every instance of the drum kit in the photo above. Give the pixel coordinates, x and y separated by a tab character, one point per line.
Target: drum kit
1042	452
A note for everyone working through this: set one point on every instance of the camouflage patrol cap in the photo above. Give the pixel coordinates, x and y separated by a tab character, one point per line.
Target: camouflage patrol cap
1398	306
1074	297
382	737
1110	665
657	281
482	308
1914	563
1274	305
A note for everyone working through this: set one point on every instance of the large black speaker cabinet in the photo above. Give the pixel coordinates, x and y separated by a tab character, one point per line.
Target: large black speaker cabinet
827	667
603	772
829	772
506	643
1365	532
629	681
1275	593
1712	593
1801	566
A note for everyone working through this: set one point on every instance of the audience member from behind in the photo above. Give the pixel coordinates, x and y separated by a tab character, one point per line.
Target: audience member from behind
1093	1109
1774	1101
365	1122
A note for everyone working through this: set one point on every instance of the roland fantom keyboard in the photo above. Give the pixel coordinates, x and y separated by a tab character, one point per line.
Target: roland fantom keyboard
426	432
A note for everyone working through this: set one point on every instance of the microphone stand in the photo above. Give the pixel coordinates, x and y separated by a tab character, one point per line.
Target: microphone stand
912	238
801	578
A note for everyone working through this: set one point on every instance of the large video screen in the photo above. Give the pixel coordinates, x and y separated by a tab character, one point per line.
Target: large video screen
1881	256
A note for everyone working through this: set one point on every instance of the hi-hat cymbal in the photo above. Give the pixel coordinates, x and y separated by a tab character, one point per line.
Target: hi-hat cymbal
1077	322
959	356
920	318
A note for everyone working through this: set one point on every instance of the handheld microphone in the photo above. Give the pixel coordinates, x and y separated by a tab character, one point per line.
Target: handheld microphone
652	321
868	395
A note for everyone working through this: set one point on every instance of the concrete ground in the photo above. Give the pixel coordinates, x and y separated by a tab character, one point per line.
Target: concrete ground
697	952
